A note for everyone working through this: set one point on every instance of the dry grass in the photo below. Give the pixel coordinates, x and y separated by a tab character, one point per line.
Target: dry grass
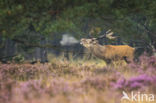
70	81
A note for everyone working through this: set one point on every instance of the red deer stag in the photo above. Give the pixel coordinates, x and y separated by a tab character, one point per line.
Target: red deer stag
108	52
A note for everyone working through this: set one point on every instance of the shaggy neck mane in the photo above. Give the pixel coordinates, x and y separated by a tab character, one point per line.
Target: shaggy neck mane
97	50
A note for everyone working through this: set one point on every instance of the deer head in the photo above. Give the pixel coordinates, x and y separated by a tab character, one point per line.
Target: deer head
94	41
88	42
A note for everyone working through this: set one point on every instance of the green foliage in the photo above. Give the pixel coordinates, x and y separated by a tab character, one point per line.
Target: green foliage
129	18
18	58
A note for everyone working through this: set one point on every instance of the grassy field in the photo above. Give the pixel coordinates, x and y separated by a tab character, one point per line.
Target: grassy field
77	81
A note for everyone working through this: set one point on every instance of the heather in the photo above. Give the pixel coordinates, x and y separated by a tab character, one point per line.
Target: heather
75	81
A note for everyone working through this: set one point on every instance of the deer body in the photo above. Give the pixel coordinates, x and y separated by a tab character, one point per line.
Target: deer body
109	52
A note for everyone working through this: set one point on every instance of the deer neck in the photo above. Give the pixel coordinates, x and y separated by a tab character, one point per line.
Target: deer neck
97	50
97	47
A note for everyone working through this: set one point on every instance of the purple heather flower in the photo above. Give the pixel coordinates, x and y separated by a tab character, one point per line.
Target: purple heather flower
135	82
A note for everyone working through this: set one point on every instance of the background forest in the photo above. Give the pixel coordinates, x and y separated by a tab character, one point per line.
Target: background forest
42	61
37	26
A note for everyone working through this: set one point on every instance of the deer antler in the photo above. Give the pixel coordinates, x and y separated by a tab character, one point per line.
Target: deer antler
108	34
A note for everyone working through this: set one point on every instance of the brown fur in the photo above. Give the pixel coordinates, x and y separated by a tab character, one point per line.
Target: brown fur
109	52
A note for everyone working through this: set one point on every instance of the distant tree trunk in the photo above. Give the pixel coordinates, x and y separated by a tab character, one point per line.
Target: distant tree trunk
8	50
43	51
44	55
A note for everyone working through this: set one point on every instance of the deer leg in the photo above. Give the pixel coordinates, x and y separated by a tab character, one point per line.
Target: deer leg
108	61
126	59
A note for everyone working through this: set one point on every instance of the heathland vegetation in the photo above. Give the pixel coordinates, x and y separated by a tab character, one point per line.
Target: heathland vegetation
42	61
76	81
